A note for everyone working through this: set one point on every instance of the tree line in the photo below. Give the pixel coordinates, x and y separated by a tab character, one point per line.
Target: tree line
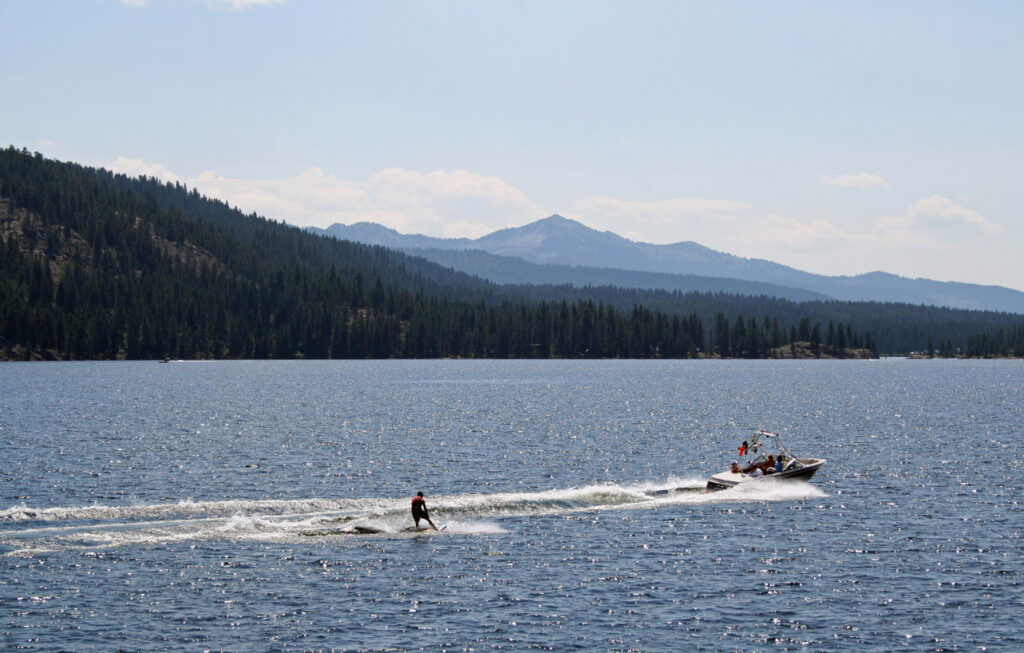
95	265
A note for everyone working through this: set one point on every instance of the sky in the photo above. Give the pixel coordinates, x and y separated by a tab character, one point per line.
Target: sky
835	137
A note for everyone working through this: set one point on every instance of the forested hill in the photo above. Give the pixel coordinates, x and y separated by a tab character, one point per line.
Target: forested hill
95	265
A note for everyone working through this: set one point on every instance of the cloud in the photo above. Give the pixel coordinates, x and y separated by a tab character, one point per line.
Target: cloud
664	221
241	5
231	5
456	203
923	240
935	237
790	235
738	228
439	203
859	180
138	168
935	224
934	216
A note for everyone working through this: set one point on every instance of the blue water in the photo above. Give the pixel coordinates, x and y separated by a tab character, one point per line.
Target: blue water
225	506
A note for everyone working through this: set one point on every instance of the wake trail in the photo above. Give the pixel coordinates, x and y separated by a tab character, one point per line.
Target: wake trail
185	508
33	531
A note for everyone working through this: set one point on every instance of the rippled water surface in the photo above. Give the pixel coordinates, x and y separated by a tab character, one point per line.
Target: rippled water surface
264	506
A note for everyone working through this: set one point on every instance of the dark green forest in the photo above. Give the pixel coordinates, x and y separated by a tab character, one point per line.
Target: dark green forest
95	265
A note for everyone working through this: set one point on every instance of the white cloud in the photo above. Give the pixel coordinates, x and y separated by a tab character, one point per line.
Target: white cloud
439	203
138	167
789	235
859	180
665	221
241	5
737	228
456	203
921	242
824	247
232	5
930	238
928	217
935	238
931	225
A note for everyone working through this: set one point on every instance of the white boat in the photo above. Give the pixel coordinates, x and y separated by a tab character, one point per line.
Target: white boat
792	467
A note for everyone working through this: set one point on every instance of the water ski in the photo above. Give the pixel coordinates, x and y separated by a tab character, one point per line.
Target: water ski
425	529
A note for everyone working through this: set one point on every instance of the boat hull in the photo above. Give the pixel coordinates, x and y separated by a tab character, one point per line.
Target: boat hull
807	469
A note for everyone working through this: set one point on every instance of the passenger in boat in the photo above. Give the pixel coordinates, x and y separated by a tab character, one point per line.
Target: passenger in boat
778	465
419	510
769	465
735	467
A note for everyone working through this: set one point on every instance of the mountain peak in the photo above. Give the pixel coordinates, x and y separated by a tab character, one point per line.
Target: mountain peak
554	221
552	239
567	242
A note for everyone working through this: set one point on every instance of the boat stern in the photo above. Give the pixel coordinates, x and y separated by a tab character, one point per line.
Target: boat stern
724	480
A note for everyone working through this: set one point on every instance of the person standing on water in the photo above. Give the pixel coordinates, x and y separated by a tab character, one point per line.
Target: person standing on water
419	510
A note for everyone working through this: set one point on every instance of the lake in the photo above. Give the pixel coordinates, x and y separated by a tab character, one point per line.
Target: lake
264	505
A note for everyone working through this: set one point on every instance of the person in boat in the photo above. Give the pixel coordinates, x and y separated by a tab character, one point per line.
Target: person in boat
758	464
735	468
419	510
769	465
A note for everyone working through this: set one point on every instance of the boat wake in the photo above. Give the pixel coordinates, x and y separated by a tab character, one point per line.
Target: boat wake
33	531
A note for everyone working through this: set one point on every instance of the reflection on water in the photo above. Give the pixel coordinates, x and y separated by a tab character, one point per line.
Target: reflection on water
258	505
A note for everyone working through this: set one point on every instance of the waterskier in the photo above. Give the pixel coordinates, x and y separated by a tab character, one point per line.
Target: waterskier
419	510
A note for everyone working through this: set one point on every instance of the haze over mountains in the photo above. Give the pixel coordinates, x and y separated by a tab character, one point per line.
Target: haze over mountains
558	250
98	265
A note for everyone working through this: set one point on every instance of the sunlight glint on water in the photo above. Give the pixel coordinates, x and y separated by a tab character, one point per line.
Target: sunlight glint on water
261	505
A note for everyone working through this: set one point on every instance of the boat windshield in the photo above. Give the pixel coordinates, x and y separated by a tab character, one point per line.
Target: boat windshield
758	447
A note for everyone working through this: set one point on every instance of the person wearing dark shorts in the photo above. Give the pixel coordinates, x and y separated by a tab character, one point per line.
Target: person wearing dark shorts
419	510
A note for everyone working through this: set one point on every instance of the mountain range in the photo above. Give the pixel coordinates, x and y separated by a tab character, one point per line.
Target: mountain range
557	250
98	265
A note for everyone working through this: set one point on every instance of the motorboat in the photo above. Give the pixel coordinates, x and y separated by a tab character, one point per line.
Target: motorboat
757	468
